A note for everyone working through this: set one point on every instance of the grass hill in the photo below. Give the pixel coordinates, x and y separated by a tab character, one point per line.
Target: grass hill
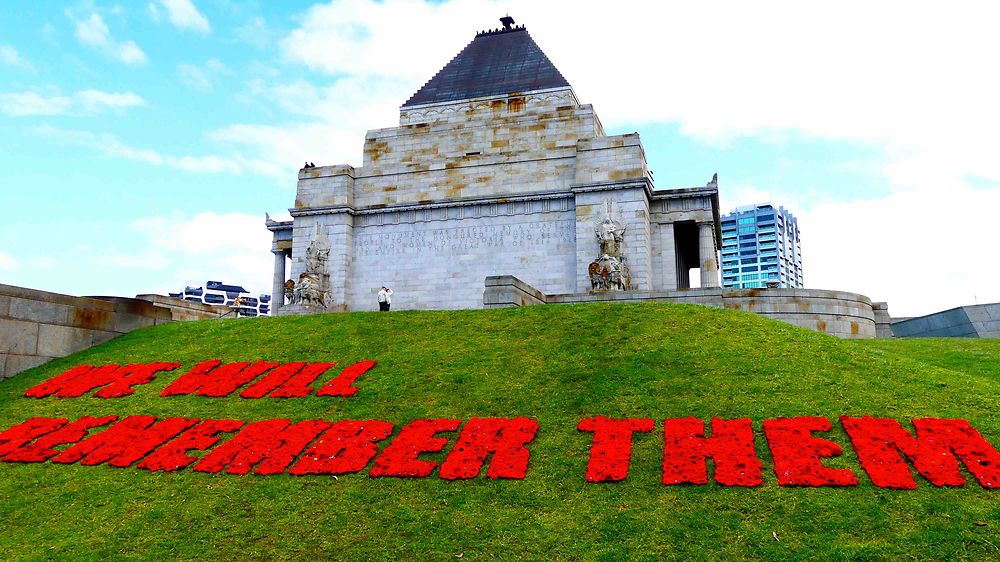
556	364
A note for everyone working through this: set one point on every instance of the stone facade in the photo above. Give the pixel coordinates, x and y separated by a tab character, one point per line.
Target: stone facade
505	184
38	326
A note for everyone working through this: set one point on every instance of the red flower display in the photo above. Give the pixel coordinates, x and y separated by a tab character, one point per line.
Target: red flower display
42	450
173	455
61	381
130	376
797	453
685	450
27	431
883	447
348	446
118	381
273	380
400	458
341	386
297	386
269	445
210	378
611	448
879	443
126	442
505	439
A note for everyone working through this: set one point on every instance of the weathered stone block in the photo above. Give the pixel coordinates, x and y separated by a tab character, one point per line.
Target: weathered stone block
91	318
59	341
18	337
99	337
39	311
18	363
128	322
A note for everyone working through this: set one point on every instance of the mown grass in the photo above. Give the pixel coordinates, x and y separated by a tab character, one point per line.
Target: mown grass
557	364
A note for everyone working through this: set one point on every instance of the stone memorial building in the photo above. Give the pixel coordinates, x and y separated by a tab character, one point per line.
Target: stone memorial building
496	168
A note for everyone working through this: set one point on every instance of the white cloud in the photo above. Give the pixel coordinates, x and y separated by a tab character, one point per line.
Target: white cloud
7	263
255	32
363	38
229	247
109	145
130	53
202	78
191	75
184	15
84	102
93	32
332	120
10	57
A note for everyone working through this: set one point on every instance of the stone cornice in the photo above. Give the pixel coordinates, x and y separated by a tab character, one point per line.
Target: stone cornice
645	184
324	210
275	226
467	202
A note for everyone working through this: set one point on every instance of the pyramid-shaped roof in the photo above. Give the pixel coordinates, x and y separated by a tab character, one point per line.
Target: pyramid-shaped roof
494	63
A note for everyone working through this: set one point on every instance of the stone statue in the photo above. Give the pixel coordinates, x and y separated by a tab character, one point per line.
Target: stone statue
313	287
609	271
610	234
318	255
308	291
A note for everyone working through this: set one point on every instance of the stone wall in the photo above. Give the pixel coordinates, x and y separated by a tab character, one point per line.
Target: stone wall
37	326
435	263
838	313
883	322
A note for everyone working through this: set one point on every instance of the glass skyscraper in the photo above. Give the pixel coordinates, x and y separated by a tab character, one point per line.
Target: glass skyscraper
760	248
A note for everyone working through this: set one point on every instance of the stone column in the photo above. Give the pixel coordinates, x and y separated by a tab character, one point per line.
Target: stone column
278	284
668	257
707	256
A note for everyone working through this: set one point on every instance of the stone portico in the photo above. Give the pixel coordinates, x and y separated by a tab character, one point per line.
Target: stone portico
496	168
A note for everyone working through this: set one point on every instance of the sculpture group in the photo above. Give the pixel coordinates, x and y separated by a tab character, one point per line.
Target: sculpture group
313	286
609	270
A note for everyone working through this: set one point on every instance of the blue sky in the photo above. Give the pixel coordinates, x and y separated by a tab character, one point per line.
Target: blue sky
141	143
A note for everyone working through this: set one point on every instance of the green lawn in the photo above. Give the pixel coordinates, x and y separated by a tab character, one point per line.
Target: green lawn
556	364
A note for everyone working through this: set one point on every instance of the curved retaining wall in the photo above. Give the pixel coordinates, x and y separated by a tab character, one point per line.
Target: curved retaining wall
838	313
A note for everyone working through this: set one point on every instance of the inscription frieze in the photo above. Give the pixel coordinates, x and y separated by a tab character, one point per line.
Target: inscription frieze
464	238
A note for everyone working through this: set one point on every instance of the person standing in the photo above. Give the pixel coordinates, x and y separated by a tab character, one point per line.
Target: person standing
384	298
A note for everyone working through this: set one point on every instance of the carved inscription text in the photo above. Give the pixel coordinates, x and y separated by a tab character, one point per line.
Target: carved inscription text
378	241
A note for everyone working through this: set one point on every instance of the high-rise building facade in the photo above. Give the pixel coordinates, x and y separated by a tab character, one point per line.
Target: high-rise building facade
760	248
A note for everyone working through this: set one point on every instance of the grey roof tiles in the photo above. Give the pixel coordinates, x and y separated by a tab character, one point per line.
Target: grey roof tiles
494	63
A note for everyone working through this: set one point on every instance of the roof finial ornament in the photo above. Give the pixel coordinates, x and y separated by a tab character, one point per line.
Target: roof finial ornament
507	22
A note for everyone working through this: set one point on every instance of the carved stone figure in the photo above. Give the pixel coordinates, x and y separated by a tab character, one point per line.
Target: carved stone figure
309	291
313	286
317	255
610	234
609	271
